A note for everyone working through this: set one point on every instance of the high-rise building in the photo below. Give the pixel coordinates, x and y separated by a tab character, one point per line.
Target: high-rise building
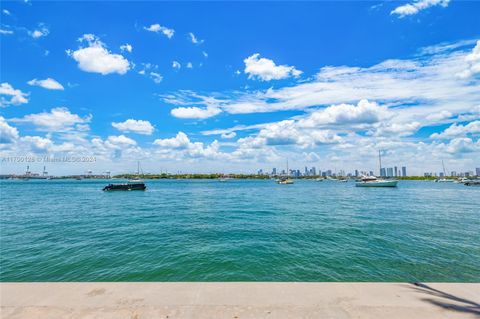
356	173
383	172
260	172
274	171
389	172
404	171
395	171
371	173
306	171
313	171
477	171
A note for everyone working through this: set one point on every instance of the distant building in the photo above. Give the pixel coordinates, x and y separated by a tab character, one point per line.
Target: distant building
260	172
274	171
395	171
356	173
371	173
441	174
389	172
477	171
383	172
404	171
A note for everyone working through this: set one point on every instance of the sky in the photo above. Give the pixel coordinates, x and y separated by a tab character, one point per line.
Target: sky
239	86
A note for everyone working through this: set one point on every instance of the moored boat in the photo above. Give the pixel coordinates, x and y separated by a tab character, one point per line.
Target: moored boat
372	181
473	182
134	185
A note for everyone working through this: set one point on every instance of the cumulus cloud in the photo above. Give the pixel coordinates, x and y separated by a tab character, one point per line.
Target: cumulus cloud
417	6
473	63
48	83
195	112
176	65
59	119
96	58
11	96
6	12
189	65
126	47
456	130
120	141
194	39
8	134
134	126
185	148
364	112
266	70
157	28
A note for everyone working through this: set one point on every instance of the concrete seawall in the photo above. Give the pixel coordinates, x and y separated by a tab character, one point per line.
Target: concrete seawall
239	300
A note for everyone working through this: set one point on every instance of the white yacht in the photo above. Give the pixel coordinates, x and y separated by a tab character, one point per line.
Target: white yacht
372	181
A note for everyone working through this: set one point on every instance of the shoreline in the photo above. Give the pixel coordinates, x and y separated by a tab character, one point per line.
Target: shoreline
239	300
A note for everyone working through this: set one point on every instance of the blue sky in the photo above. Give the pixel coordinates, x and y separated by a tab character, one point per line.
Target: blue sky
217	86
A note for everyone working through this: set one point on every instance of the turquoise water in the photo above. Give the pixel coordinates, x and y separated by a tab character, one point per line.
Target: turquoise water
240	230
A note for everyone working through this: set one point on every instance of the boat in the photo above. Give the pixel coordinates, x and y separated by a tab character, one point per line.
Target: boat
444	180
132	185
285	180
372	181
473	182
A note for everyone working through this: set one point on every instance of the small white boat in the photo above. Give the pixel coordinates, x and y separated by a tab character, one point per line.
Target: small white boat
372	181
443	180
285	181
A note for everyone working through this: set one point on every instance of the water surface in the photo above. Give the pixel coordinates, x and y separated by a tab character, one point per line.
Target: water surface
240	230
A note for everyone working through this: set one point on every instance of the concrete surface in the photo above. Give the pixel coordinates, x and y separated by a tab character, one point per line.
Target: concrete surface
239	300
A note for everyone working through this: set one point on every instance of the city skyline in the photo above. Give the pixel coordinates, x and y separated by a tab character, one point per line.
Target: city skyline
179	87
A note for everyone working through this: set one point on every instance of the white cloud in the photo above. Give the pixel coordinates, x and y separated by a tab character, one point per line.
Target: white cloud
229	135
8	134
97	58
435	117
156	77
48	83
205	54
158	28
417	6
195	112
266	70
120	141
189	65
176	65
194	39
6	12
364	112
14	96
3	31
473	62
135	126
180	146
59	119
41	31
456	130
180	141
126	47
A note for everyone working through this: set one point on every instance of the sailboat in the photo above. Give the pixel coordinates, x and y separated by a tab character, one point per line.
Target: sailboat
444	180
285	180
372	181
132	185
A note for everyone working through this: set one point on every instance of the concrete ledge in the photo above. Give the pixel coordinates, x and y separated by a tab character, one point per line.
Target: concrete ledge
239	300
